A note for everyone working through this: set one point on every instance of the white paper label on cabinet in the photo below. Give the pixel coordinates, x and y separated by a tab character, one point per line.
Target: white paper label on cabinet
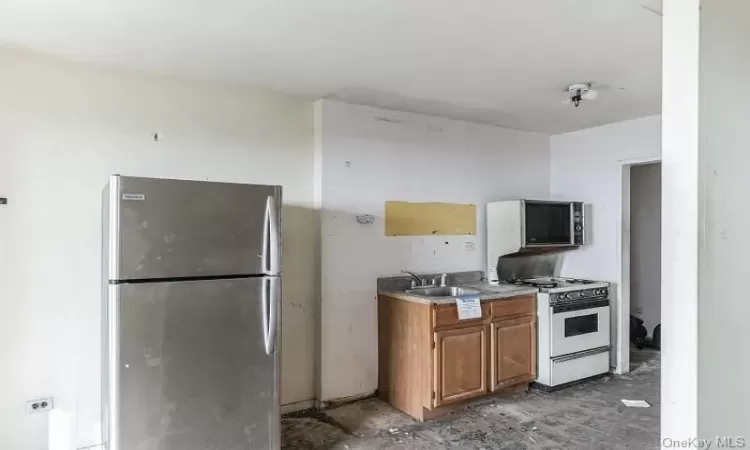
469	307
128	196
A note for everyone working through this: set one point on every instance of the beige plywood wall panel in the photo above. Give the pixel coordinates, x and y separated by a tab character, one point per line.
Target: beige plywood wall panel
425	219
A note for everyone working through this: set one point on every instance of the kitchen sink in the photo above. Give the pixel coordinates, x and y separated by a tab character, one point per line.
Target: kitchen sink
442	291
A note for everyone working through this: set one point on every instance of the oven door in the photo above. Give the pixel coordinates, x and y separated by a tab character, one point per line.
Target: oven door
547	224
579	326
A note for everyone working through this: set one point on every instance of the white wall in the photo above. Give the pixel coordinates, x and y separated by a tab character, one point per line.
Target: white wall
723	219
63	129
366	161
679	269
587	165
645	244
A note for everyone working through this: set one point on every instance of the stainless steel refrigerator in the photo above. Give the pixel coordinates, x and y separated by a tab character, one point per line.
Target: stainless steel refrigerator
192	290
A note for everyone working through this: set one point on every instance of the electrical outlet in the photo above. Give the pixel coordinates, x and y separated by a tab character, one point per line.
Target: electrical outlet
40	405
469	246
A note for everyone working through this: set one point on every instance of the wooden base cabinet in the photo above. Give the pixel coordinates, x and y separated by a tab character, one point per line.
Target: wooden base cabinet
460	364
429	361
512	352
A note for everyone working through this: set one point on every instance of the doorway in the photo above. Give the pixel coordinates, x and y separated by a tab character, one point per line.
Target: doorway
645	263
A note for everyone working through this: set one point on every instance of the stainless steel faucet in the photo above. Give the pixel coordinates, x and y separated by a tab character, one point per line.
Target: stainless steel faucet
416	281
442	279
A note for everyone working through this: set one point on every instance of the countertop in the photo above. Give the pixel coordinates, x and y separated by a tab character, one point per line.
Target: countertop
487	292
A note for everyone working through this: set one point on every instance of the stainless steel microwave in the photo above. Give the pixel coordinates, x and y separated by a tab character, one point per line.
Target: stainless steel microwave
517	225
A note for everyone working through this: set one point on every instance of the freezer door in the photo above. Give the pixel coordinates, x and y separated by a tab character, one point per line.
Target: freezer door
189	365
163	228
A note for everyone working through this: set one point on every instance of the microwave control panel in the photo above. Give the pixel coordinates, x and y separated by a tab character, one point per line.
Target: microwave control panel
578	224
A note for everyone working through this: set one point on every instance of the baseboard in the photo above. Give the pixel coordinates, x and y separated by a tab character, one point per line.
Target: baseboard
297	406
545	388
323	404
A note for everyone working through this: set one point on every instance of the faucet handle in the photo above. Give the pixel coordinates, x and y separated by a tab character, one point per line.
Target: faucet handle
443	279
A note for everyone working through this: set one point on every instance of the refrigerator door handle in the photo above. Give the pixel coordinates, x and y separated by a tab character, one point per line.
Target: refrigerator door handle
270	313
271	253
273	319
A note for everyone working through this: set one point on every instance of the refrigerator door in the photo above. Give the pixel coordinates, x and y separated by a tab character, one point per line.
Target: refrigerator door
163	228
189	365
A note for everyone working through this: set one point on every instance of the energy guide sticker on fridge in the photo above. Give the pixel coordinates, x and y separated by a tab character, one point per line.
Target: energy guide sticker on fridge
127	196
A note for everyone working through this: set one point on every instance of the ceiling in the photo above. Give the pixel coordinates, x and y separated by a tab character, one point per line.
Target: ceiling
503	62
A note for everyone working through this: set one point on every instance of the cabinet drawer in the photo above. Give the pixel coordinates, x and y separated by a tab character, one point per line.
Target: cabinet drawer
513	307
445	315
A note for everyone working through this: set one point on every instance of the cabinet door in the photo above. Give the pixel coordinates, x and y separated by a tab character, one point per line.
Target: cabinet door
460	364
513	352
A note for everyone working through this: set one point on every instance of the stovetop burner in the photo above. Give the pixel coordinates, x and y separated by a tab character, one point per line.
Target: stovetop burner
548	282
531	282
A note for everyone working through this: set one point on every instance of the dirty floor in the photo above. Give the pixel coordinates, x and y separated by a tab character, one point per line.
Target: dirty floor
588	416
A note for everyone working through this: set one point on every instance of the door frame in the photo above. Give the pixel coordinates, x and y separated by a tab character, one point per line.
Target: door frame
621	320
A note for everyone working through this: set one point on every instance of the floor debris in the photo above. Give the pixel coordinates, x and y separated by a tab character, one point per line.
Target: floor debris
589	416
636	403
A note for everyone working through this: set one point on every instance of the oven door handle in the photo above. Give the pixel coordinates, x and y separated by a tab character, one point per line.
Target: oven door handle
582	354
578	306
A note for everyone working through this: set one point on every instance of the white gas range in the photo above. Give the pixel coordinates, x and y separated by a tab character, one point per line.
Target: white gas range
573	329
